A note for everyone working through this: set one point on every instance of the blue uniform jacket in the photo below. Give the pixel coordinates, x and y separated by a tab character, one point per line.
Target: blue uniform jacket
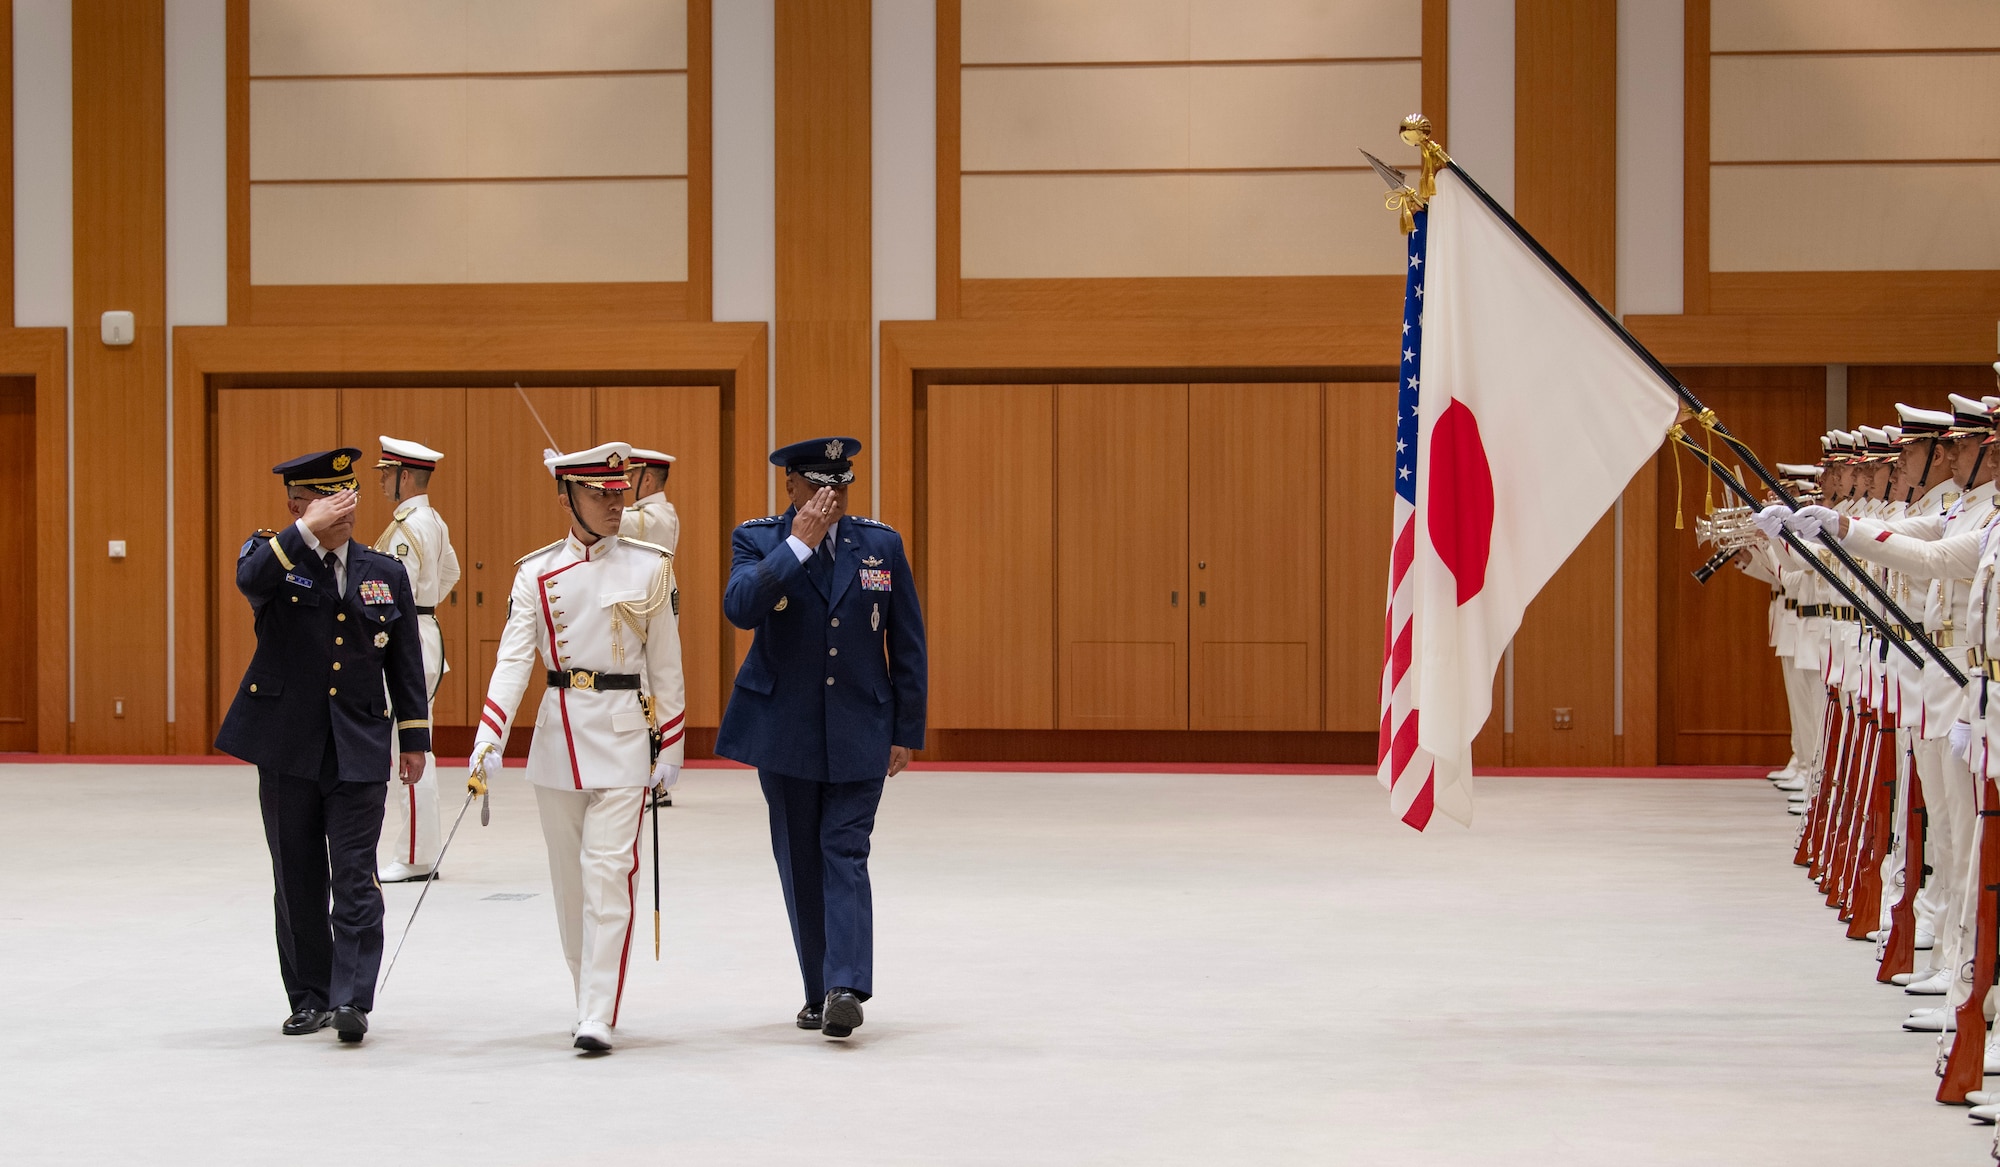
321	661
833	678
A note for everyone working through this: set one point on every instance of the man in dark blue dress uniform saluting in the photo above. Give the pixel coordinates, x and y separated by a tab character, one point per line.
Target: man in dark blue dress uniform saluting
335	621
828	704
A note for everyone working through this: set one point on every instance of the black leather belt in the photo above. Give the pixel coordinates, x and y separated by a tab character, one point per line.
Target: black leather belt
586	679
430	611
1814	611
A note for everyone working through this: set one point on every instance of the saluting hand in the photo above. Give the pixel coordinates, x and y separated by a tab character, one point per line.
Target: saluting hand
331	511
815	518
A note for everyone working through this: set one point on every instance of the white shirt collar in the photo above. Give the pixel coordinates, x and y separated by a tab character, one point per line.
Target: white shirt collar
415	500
318	551
659	494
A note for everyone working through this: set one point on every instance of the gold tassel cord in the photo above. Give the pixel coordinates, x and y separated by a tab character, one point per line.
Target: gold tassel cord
1679	438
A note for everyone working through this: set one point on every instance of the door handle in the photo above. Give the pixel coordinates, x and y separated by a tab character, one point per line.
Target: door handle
1203	600
454	597
479	599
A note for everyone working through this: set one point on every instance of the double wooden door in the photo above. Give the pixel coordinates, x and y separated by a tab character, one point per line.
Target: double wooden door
493	493
1148	557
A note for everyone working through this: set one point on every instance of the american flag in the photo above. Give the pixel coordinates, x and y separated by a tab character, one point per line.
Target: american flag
1400	759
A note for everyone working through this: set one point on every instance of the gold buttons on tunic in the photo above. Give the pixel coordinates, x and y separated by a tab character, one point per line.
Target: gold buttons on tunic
253	688
338	640
336	666
332	692
295	599
829	680
836	621
833	652
336	615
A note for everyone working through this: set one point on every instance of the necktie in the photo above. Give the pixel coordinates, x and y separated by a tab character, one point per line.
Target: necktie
821	568
333	571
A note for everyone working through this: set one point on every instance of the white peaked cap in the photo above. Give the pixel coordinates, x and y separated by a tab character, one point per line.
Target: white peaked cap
1991	403
601	466
1794	470
1911	415
1870	433
396	451
1967	405
1894	432
651	457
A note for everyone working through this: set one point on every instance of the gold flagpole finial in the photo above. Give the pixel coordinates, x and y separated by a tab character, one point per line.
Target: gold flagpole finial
1416	130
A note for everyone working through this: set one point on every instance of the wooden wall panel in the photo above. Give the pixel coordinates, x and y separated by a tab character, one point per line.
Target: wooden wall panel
824	219
990	557
1122	530
1565	173
17	564
255	429
1721	697
1254	529
118	103
1360	458
435	417
511	510
686	421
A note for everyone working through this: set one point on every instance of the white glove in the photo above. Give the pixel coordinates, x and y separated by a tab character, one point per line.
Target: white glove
1810	520
483	754
665	774
1960	738
1771	520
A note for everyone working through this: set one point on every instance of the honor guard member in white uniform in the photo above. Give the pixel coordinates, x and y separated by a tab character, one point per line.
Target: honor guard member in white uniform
651	517
599	613
829	703
420	541
336	653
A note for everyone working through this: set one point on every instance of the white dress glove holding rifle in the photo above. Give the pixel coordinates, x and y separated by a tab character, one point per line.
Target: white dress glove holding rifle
1811	520
1771	521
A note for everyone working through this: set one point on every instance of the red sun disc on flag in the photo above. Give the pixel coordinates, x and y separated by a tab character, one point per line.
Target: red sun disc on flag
1461	499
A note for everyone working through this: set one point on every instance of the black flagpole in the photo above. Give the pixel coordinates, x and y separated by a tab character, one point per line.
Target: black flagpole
1716	427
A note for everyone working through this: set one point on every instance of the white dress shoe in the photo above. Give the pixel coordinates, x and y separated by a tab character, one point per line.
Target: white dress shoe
1985	1114
1925	941
1797	797
1791	770
1932	1021
1798	808
593	1036
1790	784
1935	985
403	873
1983	1097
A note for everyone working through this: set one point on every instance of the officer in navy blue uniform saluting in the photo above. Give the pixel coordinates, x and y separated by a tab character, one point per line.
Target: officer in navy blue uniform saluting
337	679
829	703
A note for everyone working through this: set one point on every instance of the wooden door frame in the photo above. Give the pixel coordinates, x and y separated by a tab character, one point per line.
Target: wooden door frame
43	353
208	359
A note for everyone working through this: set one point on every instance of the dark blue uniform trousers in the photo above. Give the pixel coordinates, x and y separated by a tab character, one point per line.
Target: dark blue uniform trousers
322	834
819	835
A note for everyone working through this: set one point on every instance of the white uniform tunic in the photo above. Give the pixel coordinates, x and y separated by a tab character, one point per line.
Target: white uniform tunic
608	608
653	520
419	539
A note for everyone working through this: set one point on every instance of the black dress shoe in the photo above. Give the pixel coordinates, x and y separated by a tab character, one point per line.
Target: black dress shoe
841	1014
311	1021
350	1023
809	1016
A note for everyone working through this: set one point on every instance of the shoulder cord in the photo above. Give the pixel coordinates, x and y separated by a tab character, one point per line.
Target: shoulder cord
634	614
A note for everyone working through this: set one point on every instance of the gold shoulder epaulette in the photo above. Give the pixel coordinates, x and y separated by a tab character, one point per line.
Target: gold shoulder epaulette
537	551
646	545
264	533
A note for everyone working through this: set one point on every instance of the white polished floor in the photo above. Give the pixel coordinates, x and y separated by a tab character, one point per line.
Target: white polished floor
1071	969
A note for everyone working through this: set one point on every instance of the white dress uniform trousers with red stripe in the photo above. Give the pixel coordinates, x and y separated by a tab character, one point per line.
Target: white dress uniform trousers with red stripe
607	609
419	539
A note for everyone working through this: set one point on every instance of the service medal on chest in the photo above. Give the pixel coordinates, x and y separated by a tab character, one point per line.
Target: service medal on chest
875	619
381	640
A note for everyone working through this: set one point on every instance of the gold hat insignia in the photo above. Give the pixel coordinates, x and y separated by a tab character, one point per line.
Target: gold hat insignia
614	460
835	449
342	462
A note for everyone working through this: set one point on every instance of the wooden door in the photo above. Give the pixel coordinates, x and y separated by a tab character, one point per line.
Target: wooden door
436	418
990	556
511	510
255	429
686	421
1122	587
17	564
1722	699
1254	500
1360	460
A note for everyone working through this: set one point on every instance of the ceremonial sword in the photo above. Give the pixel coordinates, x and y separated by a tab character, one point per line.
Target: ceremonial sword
485	816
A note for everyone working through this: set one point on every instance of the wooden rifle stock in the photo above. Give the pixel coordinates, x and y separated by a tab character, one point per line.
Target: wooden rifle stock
1847	848
1899	951
1964	1070
1802	857
1865	905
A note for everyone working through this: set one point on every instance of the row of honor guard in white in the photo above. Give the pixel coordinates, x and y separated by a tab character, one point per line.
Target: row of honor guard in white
599	613
418	539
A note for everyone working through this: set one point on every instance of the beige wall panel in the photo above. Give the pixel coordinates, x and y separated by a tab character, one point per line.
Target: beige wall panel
508	36
1778	108
369	234
1231	30
1854	218
357	129
1073	30
571	232
1753	25
1300	115
451	36
1291	225
357	36
1050	226
1074	119
572	126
